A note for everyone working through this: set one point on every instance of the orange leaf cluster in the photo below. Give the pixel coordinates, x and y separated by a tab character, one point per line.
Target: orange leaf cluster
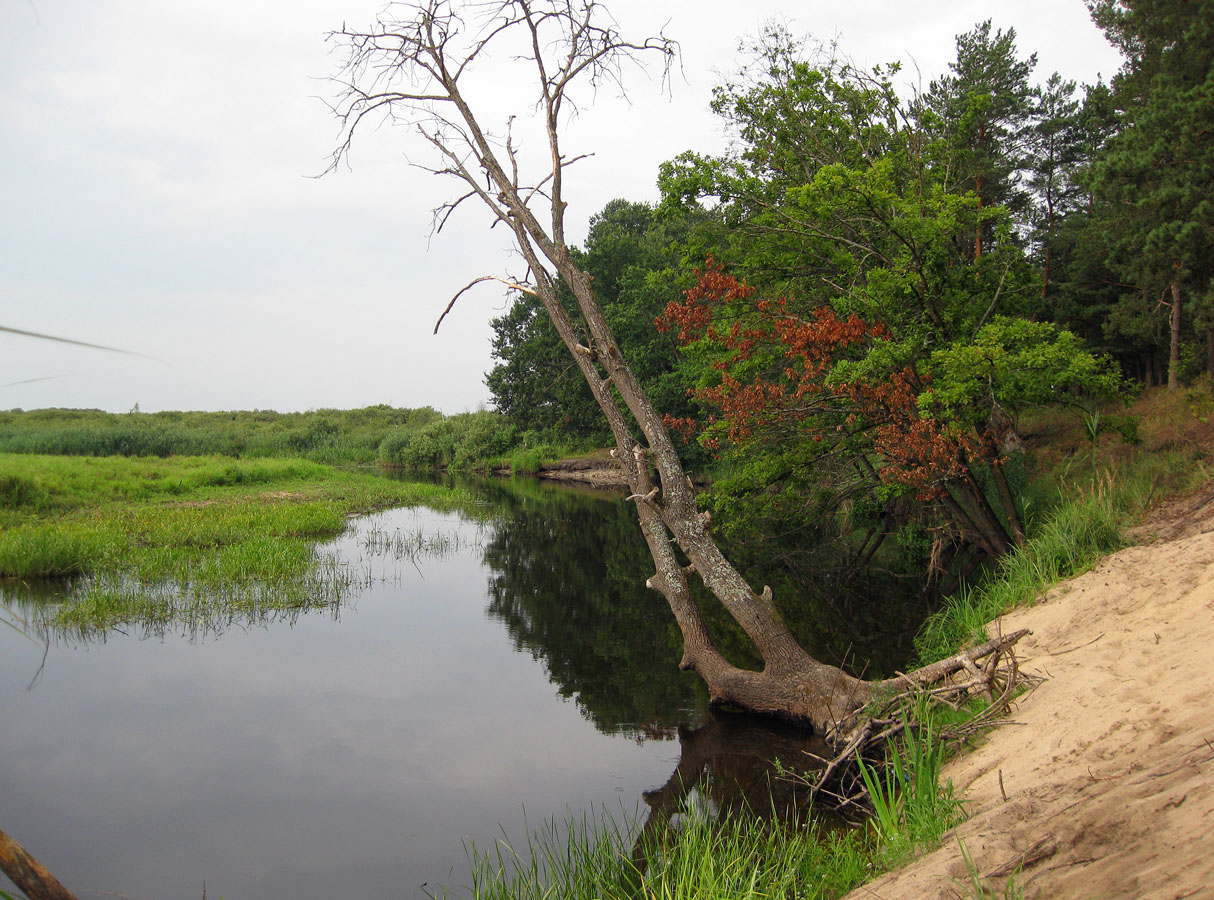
880	417
693	317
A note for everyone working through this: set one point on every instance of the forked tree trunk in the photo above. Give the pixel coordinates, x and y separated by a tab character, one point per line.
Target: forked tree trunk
566	42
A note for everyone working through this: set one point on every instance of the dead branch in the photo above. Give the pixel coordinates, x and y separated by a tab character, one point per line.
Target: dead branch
28	874
506	281
998	680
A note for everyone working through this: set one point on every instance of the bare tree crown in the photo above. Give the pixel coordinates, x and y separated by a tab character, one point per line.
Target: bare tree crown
416	67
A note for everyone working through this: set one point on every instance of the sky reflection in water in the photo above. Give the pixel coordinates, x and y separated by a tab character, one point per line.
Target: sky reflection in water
347	757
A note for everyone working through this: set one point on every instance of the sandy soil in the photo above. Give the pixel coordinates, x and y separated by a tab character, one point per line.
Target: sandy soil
1102	786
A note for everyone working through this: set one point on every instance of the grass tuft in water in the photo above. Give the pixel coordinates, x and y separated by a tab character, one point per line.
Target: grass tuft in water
415	544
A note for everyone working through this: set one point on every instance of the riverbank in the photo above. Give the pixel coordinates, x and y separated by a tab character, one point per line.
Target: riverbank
596	468
1099	785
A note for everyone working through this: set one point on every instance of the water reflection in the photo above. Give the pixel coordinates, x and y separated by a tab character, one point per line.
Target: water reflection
742	765
566	578
485	666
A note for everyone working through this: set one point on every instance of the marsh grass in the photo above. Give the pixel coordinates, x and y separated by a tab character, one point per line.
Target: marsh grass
156	543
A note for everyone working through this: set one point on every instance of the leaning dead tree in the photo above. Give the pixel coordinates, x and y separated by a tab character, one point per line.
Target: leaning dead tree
419	67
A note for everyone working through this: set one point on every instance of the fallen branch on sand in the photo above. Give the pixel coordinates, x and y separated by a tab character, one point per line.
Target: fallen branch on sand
989	671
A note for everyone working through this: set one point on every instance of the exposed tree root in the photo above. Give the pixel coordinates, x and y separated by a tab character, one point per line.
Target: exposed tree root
989	672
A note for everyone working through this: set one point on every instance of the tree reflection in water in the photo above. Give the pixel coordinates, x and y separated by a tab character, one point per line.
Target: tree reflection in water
567	574
567	581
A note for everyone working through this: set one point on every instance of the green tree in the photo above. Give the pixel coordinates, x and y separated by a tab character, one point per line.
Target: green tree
984	111
1156	172
635	257
1056	151
847	208
1079	287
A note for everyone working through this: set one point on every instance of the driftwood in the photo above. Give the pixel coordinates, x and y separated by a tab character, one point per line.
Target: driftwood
988	671
28	874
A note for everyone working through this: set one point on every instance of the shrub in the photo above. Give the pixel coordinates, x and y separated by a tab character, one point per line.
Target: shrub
482	438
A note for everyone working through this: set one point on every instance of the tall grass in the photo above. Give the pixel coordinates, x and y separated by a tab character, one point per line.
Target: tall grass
911	808
54	551
147	542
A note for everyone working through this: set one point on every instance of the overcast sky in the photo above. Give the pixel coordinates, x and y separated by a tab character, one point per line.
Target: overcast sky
156	163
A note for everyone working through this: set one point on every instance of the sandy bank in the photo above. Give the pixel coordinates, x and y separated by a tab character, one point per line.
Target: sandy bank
1103	784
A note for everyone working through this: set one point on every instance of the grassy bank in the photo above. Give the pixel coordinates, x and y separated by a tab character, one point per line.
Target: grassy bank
186	539
1085	494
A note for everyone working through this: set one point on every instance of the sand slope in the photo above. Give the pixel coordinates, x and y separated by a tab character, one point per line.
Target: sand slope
1108	775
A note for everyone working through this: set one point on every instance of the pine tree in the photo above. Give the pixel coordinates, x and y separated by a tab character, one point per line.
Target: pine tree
983	111
1156	172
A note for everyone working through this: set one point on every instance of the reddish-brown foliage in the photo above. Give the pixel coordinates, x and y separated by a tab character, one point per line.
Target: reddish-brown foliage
794	389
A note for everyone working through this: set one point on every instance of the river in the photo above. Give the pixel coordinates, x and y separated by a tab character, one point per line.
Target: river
494	672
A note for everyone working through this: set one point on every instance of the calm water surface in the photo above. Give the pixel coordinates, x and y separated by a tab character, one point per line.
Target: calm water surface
514	672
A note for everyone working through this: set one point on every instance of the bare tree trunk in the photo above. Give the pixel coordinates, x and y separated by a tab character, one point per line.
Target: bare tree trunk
1174	348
